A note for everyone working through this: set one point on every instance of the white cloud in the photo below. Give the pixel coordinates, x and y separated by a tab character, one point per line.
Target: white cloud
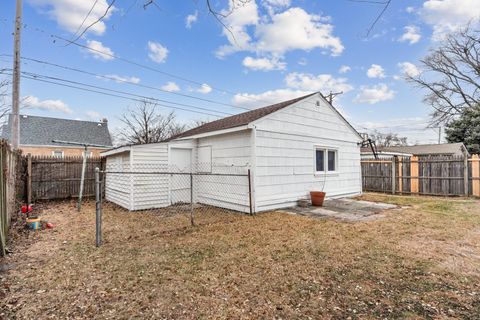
99	51
268	97
374	94
170	87
376	71
302	62
69	14
190	19
410	9
267	36
263	64
275	5
278	3
121	79
157	52
94	115
48	105
411	34
322	82
409	69
204	88
238	19
305	32
446	16
344	69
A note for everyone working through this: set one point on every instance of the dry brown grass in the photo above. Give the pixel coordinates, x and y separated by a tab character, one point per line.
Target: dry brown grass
419	262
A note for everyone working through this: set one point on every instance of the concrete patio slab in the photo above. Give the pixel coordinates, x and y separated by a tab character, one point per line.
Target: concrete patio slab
345	209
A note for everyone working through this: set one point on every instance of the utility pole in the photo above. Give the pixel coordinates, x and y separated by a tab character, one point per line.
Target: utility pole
16	78
439	134
332	95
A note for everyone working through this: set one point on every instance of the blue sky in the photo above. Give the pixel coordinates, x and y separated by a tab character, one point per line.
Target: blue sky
280	49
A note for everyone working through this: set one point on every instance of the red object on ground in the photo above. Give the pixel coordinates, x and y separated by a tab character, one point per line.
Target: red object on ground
26	208
317	198
50	225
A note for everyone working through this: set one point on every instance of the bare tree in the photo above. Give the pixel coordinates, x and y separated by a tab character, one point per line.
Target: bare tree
198	123
388	139
219	15
143	124
451	75
4	106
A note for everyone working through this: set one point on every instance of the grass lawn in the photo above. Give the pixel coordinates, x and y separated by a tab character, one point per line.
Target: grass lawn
418	262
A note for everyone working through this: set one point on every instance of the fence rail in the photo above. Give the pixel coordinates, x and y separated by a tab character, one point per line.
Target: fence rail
441	175
50	178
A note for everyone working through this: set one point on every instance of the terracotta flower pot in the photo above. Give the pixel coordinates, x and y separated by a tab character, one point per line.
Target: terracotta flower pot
317	198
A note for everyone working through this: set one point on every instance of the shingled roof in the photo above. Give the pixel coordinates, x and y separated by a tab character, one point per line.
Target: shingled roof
238	119
35	130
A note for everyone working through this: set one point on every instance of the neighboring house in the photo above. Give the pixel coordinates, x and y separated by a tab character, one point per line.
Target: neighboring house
38	133
291	148
442	149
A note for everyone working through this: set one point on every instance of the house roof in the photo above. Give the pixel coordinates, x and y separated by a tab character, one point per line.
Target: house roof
238	119
423	149
35	130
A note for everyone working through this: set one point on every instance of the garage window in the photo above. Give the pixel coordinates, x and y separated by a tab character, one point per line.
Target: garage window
325	160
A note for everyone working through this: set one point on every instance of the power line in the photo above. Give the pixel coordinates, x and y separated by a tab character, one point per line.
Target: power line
146	67
93	23
96	75
122	92
117	93
85	19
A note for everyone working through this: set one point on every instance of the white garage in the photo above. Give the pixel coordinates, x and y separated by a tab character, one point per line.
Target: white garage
290	149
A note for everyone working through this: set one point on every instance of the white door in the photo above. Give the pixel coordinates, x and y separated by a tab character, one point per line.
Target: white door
180	162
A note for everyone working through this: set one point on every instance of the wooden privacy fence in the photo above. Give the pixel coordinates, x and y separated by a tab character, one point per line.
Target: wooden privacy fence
440	175
10	177
49	178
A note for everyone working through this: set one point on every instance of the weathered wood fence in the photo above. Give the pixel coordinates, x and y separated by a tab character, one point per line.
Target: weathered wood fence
10	180
440	175
50	178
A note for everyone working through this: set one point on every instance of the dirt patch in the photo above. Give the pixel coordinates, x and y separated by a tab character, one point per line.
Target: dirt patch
231	266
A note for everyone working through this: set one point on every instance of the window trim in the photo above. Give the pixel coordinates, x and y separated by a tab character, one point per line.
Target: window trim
325	162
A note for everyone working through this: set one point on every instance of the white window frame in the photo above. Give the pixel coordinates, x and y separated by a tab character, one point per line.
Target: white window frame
325	160
62	156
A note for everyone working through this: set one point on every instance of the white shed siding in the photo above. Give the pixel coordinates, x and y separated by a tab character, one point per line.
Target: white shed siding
285	164
230	155
117	188
150	190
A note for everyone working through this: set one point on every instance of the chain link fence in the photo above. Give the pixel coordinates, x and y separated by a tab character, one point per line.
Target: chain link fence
169	190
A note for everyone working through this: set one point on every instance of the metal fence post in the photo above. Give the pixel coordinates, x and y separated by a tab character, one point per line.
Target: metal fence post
191	200
82	179
98	209
250	192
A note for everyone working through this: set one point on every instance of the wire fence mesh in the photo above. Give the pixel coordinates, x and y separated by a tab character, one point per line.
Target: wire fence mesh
169	190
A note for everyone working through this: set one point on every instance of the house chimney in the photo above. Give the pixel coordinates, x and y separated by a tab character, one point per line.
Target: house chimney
105	120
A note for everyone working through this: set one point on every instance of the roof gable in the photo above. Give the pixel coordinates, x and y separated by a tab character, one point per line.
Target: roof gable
328	104
35	130
239	119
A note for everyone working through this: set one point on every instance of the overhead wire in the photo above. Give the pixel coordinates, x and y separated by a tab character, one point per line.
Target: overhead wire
108	92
